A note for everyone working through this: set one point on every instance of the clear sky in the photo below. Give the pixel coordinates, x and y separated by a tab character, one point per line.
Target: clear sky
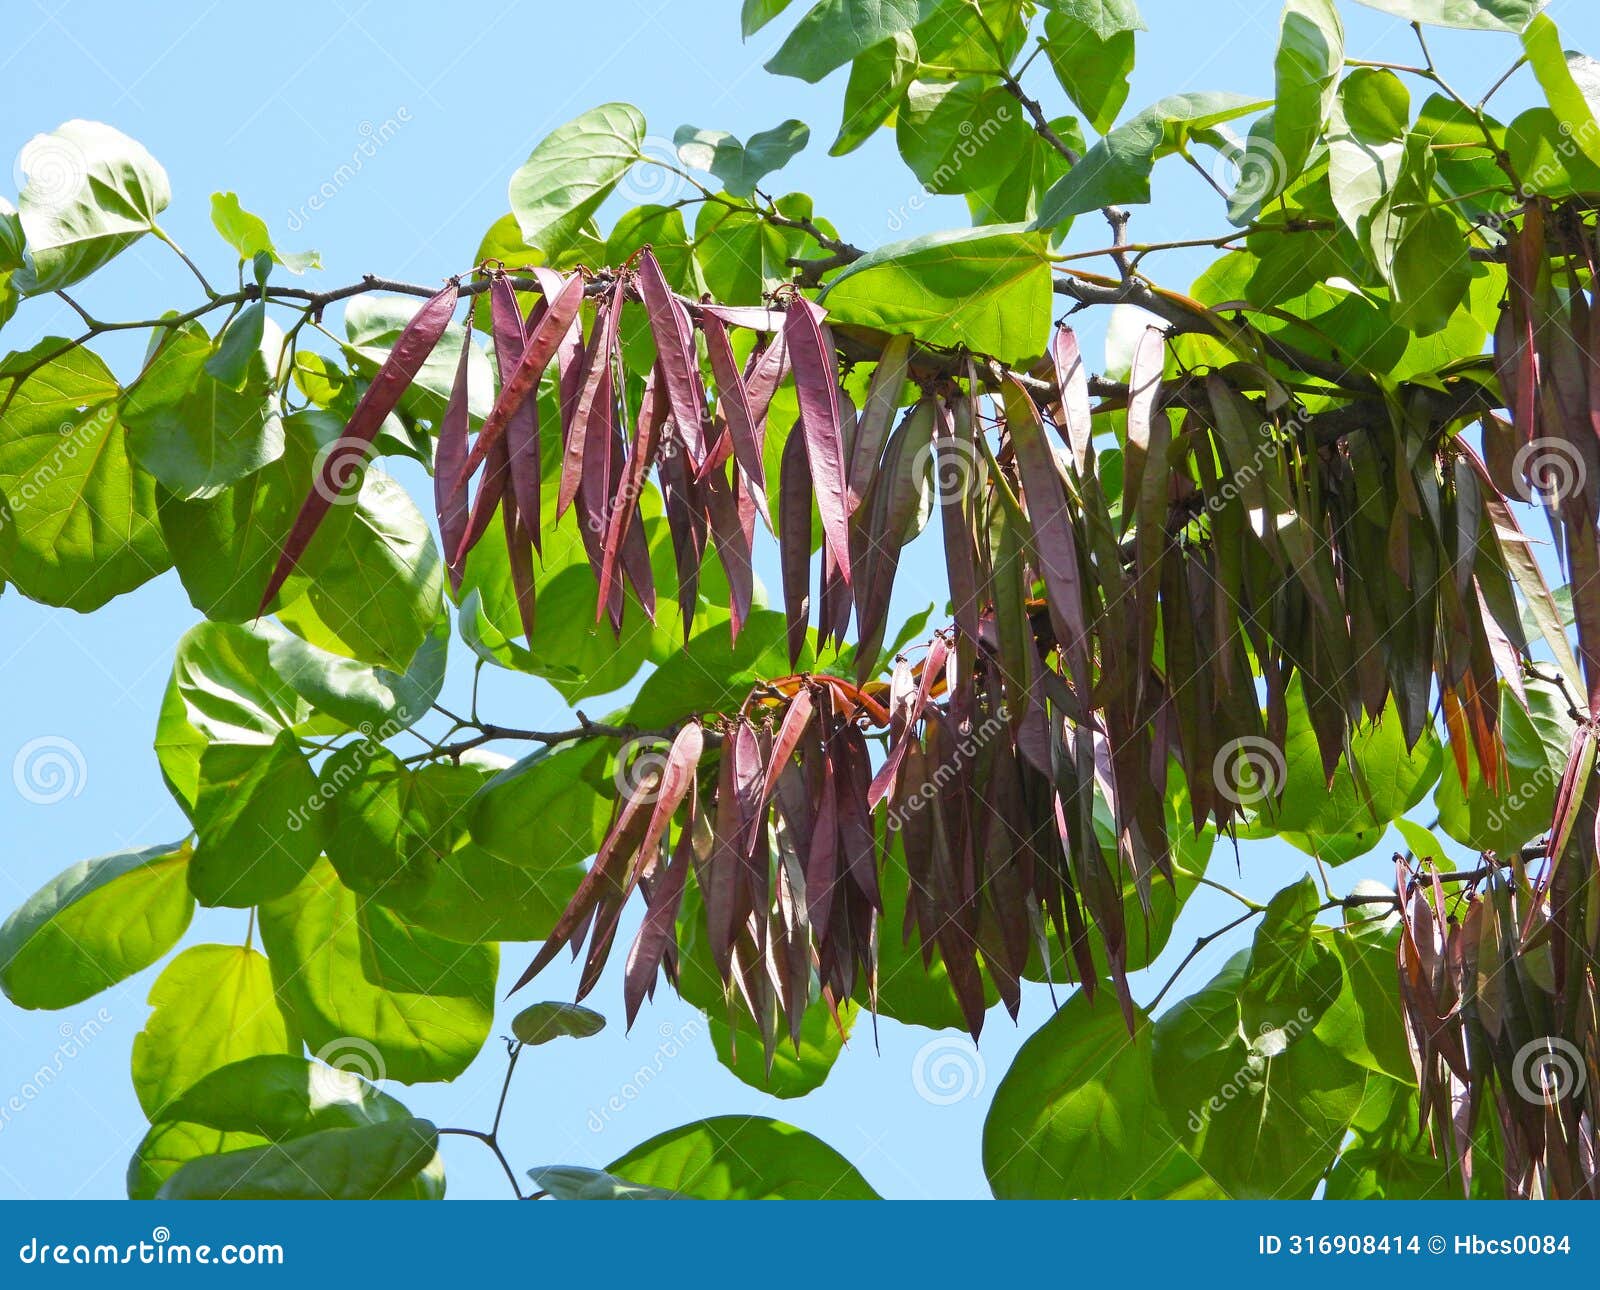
270	102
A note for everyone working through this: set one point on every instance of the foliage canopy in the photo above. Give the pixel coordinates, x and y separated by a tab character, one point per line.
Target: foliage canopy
1265	577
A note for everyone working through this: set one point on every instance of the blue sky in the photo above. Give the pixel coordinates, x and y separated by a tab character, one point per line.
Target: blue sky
449	99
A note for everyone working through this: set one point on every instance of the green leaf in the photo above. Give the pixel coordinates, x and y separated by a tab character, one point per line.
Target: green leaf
247	234
476	897
374	700
708	675
396	1159
740	254
277	1096
1431	271
1475	15
197	433
1570	82
13	242
239	342
95	924
1506	816
212	1005
1116	171
222	690
756	14
1364	1024
83	515
1363	162
551	810
173	1143
372	324
960	136
878	80
794	1070
574	1182
543	1022
1392	779
1306	79
743	1157
1539	144
1103	18
370	585
1259	1125
391	825
1396	1160
253	812
1424	845
1292	976
225	546
1093	68
836	31
988	288
741	167
91	193
1376	104
572	170
1076	1116
351	971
